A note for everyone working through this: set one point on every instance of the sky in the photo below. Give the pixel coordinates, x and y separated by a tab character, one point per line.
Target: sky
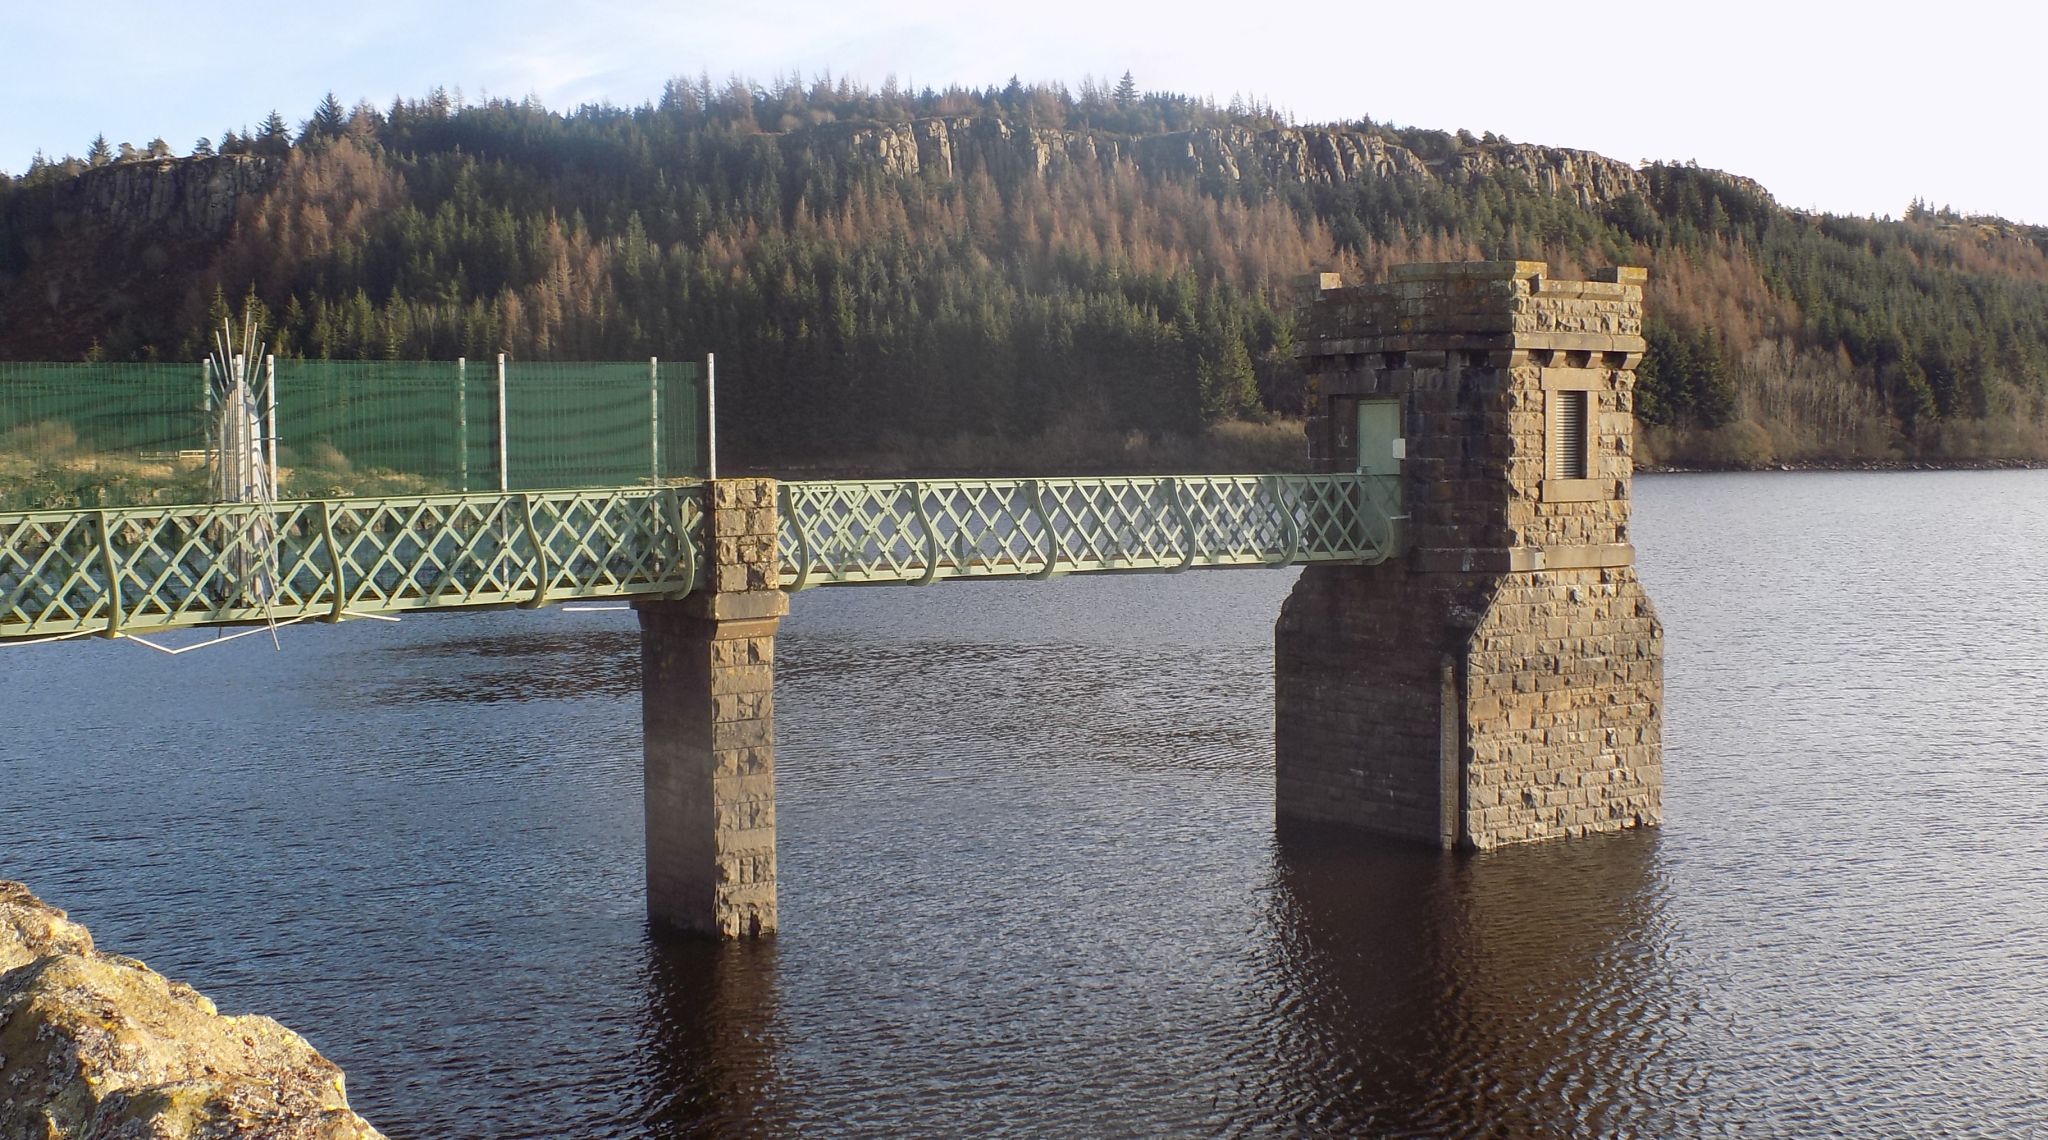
1836	107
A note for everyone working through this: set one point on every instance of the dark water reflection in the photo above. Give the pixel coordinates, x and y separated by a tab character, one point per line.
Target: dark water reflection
719	1074
1030	879
1488	996
468	670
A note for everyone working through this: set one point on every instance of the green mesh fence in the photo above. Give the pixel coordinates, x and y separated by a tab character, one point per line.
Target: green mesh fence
98	435
585	425
348	427
89	435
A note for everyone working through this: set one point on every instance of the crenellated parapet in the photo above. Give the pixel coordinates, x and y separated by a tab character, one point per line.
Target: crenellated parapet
1518	393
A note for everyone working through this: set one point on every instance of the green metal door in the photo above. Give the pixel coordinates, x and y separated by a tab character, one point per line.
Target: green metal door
1381	448
1379	437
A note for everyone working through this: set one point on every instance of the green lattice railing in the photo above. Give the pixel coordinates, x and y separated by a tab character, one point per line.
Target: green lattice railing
133	570
874	532
122	571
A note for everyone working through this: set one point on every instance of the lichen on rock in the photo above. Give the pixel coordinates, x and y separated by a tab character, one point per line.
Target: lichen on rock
31	928
97	1046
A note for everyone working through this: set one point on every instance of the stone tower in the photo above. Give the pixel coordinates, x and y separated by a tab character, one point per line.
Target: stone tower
1501	679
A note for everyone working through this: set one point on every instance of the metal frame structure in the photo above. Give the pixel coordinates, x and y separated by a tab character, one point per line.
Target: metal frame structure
128	571
925	530
140	569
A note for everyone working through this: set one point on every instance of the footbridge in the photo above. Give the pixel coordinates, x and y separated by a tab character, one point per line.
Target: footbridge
134	571
1467	658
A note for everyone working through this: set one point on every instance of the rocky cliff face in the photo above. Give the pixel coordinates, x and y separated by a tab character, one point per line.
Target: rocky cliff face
177	198
198	198
947	148
1586	178
95	1045
118	240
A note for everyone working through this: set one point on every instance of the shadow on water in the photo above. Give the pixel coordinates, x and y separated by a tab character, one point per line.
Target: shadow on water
711	1049
493	669
1515	992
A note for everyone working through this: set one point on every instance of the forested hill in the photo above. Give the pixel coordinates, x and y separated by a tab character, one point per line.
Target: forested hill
880	271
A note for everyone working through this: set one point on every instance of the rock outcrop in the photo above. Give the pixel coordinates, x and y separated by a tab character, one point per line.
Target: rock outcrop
117	244
198	199
95	1045
177	198
947	148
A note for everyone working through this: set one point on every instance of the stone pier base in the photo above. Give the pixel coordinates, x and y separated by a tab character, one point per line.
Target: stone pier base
1470	710
707	701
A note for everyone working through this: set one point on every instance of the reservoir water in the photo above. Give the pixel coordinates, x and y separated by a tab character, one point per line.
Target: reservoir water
1028	873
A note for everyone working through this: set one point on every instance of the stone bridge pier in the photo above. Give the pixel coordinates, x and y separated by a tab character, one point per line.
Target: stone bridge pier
707	717
1501	680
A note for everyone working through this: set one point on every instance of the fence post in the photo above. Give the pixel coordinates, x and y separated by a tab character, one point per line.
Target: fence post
234	431
503	482
710	415
654	419
462	424
270	423
209	422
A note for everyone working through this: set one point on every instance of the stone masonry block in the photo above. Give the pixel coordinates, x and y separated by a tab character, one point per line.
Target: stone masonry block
756	679
727	735
730	578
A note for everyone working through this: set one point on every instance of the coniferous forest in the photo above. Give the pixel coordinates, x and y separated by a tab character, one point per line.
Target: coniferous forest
941	276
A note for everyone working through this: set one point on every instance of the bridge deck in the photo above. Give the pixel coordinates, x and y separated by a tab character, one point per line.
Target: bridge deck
139	569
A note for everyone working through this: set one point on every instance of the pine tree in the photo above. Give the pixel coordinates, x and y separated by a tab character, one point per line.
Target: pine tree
328	121
217	309
101	153
1126	91
274	138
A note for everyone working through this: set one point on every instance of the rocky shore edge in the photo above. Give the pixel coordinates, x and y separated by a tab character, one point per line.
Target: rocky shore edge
1851	465
94	1045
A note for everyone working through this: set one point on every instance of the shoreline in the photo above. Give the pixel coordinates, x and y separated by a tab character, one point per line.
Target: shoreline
98	1044
1851	465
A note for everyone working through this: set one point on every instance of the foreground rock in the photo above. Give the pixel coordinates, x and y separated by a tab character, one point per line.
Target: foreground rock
95	1045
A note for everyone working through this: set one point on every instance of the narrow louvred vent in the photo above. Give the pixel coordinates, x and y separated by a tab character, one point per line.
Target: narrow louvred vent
1568	435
